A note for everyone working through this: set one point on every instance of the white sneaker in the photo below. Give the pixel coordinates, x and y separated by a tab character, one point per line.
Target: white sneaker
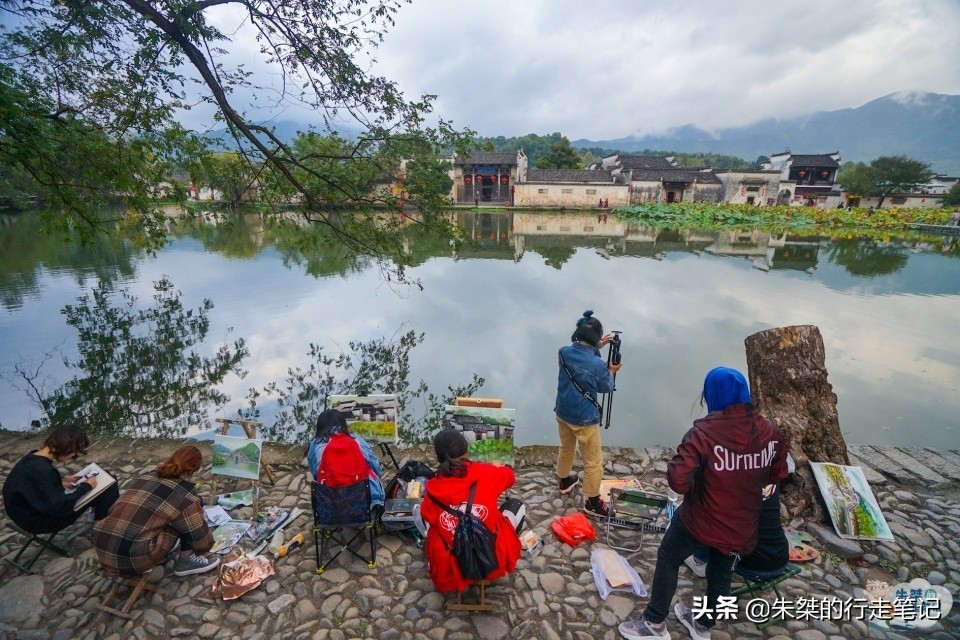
697	630
643	629
699	568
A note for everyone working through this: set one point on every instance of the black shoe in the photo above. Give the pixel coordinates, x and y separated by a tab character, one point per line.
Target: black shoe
567	484
596	508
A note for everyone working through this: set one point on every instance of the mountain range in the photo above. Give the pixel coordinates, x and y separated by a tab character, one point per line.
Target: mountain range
923	126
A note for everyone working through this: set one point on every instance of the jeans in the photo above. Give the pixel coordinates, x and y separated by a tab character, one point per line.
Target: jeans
588	438
676	546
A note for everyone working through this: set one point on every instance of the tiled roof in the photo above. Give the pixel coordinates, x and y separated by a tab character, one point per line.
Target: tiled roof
489	157
814	161
645	162
569	175
675	175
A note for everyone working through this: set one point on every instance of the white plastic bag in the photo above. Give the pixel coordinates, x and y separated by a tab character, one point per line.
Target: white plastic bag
609	569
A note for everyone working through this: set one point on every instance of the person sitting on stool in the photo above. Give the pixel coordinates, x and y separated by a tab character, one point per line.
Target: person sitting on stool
35	494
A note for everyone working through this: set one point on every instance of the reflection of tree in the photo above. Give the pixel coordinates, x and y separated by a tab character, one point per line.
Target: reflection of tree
866	258
26	250
233	236
139	370
555	257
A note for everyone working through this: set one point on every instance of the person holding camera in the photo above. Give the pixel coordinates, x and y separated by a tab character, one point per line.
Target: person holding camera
583	375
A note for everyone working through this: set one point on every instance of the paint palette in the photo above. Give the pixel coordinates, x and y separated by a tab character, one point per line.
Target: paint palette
800	549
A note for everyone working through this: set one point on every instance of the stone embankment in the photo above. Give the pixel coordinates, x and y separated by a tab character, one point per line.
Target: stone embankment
551	596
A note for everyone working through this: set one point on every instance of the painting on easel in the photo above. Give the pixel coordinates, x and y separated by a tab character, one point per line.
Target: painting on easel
850	502
237	457
488	431
373	418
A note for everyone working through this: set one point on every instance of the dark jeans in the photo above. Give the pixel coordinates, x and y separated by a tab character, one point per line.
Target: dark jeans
676	546
100	505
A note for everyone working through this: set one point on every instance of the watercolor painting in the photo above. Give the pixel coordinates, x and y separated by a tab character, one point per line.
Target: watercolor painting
853	508
373	418
489	432
237	457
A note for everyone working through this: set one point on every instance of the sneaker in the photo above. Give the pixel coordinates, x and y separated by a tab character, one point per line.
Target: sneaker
596	508
567	484
643	628
193	563
697	630
699	568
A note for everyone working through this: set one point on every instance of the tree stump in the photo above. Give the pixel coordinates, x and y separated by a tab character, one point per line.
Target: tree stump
788	382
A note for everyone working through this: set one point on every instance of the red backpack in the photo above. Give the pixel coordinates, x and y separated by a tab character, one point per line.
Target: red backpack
342	463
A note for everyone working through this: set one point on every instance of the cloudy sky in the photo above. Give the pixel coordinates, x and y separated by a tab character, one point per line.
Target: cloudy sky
605	69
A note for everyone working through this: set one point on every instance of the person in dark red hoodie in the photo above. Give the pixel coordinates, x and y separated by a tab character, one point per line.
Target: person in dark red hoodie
721	467
451	486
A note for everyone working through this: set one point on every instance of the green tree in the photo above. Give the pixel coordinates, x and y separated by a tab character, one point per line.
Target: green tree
856	178
952	197
140	370
91	92
897	174
560	156
228	174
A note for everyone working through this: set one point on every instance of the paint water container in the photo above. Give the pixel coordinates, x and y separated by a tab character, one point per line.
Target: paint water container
276	542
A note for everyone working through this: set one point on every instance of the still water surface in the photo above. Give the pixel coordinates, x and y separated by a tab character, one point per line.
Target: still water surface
889	313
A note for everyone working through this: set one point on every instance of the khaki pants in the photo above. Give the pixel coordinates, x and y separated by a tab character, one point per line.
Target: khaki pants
588	437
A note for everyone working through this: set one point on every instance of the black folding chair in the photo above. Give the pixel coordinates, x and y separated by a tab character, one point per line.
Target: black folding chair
42	540
635	510
337	509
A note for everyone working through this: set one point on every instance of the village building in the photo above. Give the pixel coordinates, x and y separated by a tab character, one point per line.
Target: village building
576	188
939	185
487	176
749	187
659	179
807	179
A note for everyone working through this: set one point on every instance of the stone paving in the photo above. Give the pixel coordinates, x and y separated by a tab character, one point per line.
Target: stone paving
550	596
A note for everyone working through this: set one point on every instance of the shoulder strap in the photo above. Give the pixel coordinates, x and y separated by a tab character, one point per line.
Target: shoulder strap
454	512
583	392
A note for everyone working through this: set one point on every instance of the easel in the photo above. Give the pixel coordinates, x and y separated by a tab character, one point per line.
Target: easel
250	429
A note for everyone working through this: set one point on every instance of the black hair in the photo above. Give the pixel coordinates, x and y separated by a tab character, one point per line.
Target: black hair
588	330
66	439
330	422
451	449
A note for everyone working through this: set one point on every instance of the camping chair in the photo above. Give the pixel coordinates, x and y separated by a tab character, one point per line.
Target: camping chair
336	509
139	585
479	605
43	541
635	510
755	583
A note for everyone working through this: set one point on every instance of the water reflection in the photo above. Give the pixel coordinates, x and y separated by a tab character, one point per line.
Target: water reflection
685	299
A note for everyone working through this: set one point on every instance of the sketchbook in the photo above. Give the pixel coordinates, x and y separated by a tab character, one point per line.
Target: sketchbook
104	481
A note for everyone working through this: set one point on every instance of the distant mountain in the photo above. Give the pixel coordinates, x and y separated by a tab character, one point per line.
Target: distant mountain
923	126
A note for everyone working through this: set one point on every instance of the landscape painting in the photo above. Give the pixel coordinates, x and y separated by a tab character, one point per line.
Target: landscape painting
237	457
489	432
373	418
853	508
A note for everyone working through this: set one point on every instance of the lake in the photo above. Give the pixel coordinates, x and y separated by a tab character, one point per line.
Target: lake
684	300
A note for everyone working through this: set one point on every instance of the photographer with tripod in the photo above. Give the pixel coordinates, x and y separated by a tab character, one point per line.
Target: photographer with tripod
583	376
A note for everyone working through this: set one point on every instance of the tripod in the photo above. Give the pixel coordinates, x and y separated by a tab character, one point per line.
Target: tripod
613	357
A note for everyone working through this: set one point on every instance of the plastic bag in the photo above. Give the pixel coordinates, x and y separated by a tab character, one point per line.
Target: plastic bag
612	572
573	529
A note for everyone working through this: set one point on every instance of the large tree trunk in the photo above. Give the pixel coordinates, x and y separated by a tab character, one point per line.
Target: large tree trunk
788	381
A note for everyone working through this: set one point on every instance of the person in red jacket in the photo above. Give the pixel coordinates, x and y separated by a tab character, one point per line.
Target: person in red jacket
722	466
451	486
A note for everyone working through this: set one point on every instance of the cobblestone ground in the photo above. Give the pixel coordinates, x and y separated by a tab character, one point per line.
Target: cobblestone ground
550	596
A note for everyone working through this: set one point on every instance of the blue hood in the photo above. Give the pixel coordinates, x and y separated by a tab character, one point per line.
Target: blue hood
723	387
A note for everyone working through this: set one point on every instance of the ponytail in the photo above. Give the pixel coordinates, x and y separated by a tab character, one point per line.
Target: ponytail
451	449
184	462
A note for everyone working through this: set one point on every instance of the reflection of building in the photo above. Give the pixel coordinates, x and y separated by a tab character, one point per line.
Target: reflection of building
487	176
807	179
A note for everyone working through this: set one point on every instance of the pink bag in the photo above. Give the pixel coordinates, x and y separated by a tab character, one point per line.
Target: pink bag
573	529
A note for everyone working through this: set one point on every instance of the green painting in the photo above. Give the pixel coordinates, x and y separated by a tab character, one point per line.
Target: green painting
237	457
489	432
853	509
373	418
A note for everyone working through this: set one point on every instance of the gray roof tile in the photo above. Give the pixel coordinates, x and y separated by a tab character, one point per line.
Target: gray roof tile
569	175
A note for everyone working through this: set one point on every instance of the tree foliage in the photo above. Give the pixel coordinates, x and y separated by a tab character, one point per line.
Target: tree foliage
560	156
91	93
952	197
856	179
376	367
884	176
140	371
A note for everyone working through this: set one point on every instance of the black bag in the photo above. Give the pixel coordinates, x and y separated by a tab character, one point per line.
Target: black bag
474	545
410	470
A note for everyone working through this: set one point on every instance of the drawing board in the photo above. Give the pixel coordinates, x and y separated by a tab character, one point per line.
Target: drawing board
853	508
